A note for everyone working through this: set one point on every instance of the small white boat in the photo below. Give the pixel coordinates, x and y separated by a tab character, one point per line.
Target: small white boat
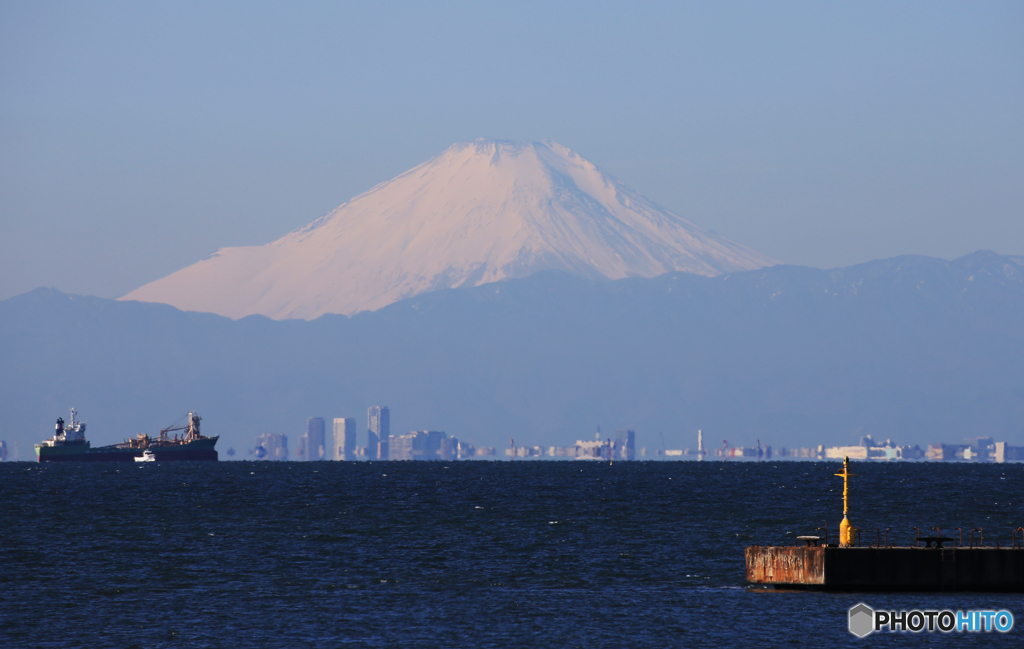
147	456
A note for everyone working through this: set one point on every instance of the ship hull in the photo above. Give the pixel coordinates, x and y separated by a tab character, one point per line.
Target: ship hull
198	451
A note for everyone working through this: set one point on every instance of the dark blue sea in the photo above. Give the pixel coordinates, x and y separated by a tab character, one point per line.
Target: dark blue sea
462	554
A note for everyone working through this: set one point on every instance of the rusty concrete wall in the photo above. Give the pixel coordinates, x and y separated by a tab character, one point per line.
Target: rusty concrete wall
786	565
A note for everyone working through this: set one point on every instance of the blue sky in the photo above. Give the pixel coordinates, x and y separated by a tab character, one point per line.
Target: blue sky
137	138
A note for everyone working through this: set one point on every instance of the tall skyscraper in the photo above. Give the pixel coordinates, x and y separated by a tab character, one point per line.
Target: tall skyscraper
315	438
379	431
344	444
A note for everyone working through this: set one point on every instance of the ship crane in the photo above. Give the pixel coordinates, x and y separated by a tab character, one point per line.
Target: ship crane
192	428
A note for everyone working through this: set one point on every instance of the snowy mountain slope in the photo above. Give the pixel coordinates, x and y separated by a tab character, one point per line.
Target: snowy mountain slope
480	212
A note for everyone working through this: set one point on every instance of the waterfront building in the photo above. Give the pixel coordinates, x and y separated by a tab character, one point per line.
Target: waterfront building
271	446
869	449
314	445
379	432
402	447
449	448
343	445
595	450
562	451
939	452
625	445
1007	453
853	452
525	451
465	449
423	445
980	449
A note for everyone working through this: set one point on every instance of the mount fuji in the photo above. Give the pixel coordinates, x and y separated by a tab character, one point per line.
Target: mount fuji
480	212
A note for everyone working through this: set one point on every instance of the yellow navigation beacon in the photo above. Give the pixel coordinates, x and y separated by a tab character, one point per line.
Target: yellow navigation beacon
845	528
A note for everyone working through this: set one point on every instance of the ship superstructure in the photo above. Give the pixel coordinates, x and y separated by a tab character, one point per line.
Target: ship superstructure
71	435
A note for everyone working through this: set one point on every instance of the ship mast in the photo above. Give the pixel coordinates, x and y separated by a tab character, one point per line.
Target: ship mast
193	426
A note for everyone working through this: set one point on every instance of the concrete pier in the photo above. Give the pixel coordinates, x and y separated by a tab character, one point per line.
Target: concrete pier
887	569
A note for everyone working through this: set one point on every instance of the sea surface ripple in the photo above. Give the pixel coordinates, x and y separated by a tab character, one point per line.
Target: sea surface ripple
462	554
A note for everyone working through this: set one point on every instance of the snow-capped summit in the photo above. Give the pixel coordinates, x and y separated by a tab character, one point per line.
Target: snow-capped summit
480	212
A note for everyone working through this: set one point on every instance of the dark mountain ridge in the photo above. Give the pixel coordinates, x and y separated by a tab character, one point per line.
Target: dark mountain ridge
913	348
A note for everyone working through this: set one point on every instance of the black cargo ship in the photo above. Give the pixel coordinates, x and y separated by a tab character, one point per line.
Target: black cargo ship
68	444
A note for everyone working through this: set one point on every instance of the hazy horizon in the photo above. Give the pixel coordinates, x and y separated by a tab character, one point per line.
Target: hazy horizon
139	139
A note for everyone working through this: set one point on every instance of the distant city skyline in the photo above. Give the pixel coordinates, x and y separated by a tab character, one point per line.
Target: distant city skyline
437	445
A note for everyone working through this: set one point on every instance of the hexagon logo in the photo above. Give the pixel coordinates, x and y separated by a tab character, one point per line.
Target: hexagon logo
862	620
